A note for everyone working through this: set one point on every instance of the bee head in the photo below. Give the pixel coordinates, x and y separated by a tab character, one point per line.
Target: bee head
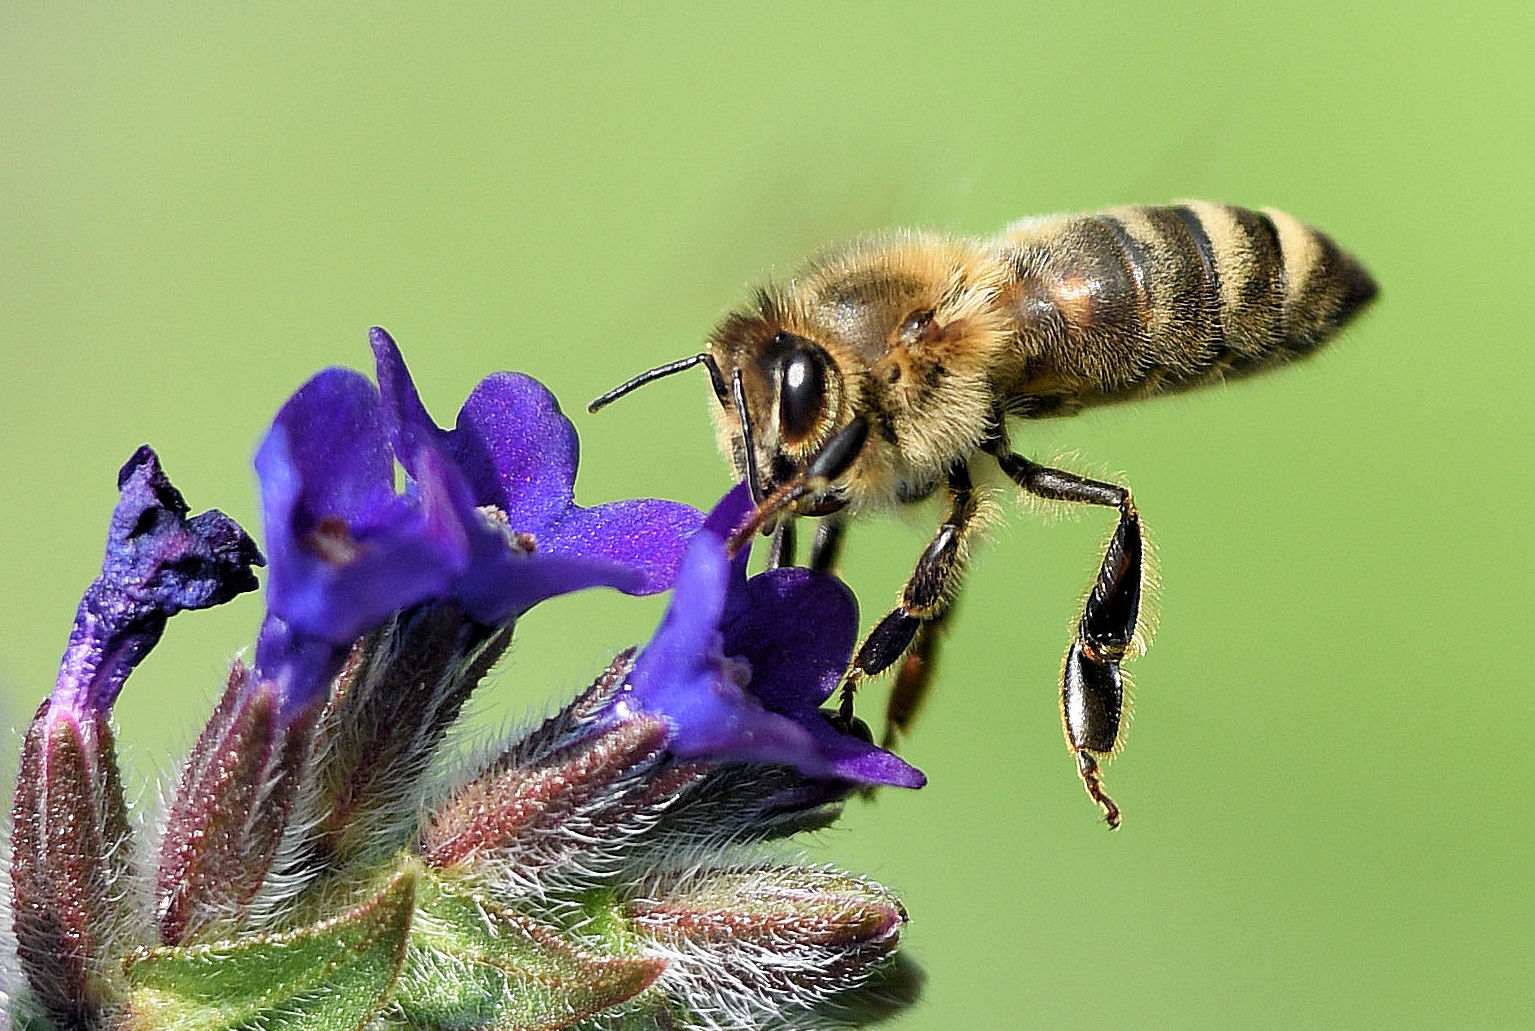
782	401
788	396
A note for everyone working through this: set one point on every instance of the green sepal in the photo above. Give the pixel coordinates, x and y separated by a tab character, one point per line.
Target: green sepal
331	976
474	963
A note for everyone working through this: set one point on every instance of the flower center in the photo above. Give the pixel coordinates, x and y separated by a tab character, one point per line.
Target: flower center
520	542
331	541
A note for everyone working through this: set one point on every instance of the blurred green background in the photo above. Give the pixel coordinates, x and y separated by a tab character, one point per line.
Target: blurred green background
1326	802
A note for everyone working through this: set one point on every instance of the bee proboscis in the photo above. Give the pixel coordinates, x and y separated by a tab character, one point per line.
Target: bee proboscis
880	373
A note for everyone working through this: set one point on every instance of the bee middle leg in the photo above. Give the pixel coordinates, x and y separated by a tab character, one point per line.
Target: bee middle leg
825	547
914	677
911	630
1092	686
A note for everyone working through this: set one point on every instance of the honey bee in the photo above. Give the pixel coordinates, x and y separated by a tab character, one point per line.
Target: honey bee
880	374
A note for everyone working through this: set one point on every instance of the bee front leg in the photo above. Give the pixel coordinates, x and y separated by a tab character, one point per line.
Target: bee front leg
1092	686
826	548
910	629
781	546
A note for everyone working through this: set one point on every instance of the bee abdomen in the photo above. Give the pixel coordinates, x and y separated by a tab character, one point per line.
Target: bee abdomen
1135	301
1324	287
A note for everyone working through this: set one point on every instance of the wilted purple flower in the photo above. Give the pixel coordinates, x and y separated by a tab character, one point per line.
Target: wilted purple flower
158	562
739	667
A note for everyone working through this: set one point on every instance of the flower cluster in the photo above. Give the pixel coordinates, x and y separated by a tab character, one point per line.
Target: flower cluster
321	864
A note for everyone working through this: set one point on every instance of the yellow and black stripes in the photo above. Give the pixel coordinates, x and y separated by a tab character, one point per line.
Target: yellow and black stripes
1135	301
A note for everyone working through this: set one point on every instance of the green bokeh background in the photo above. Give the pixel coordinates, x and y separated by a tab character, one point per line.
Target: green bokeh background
1327	804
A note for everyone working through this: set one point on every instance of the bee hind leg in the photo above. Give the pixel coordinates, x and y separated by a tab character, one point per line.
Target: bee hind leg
1092	685
911	630
914	677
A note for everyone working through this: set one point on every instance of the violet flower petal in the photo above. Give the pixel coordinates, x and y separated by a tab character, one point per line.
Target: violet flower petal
797	629
500	581
158	562
512	444
517	453
740	667
644	535
684	676
854	759
346	550
796	662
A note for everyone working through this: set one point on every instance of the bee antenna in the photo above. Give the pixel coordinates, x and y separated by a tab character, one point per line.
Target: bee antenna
753	478
660	371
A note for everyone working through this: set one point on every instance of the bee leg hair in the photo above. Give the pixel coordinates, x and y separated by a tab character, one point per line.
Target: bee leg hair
1092	686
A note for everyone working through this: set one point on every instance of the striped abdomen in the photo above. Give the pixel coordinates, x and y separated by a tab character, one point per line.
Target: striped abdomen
1134	301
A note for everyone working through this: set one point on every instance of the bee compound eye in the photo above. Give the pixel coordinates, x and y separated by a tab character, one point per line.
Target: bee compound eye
801	393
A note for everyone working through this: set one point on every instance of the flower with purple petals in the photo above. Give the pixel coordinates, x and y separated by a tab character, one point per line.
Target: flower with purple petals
487	521
514	453
346	550
314	870
740	667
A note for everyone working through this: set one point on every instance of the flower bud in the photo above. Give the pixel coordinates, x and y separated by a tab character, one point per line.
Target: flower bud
558	792
228	817
393	703
70	865
763	940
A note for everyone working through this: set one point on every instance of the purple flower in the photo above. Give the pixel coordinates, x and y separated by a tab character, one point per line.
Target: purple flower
642	804
158	562
346	550
512	456
739	667
487	520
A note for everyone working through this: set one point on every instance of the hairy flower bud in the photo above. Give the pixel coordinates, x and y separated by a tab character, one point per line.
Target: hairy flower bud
748	942
562	795
532	816
70	865
393	703
228	817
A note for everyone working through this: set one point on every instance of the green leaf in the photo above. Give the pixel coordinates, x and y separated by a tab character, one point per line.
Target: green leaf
473	963
331	976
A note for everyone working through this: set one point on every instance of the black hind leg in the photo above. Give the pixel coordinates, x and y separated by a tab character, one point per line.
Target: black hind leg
1092	685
